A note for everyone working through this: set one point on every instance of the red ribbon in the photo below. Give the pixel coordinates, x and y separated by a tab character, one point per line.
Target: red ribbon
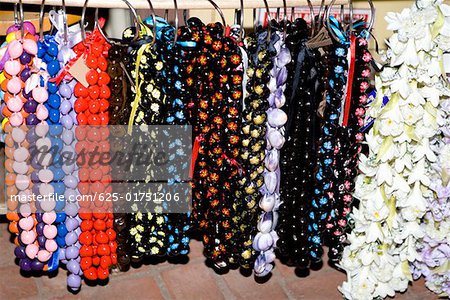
234	163
351	73
64	72
195	150
227	31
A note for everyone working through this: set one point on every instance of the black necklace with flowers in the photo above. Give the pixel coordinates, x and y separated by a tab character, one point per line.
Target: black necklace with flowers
176	58
216	115
349	141
147	230
324	191
253	140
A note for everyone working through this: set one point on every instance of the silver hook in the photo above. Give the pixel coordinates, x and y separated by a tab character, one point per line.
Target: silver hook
350	7
269	19
372	16
175	4
136	22
219	10
96	25
16	15
327	20
241	32
254	20
284	20
152	11
41	21
66	36
312	18
166	15
320	17
83	18
292	14
22	29
185	17
416	2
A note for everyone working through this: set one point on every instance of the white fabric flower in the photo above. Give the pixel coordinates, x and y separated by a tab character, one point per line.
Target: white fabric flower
398	175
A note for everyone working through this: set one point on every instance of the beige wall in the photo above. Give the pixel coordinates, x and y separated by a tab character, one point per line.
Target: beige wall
380	32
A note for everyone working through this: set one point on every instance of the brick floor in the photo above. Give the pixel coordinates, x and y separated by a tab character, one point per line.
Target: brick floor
181	280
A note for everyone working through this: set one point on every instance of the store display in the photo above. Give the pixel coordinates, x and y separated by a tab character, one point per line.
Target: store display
299	141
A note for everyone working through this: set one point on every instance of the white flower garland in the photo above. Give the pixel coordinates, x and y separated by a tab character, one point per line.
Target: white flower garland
394	184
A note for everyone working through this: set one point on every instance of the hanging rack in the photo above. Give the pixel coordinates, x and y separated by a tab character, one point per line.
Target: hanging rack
182	4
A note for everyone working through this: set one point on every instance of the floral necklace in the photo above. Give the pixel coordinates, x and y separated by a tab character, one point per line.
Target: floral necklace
324	195
253	139
395	180
147	230
173	85
349	140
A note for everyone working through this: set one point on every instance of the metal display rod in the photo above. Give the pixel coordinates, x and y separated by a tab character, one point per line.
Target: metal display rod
182	4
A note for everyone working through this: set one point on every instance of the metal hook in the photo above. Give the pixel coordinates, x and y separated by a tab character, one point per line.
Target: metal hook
372	16
175	4
16	15
241	29
41	22
350	7
83	18
320	17
219	10
327	20
292	14
416	2
152	10
136	22
66	36
166	15
313	18
21	16
269	19
82	23
284	20
254	20
185	17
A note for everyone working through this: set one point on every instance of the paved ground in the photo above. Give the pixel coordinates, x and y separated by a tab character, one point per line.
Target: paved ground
186	280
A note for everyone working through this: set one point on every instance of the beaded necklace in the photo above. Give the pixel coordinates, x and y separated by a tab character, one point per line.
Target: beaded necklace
324	195
173	78
253	138
21	51
298	155
98	245
266	239
215	129
148	231
71	229
349	141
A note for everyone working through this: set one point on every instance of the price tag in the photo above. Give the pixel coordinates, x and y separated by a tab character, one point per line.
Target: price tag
78	70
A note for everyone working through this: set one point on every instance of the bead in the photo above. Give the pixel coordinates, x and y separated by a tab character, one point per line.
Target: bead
53	67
